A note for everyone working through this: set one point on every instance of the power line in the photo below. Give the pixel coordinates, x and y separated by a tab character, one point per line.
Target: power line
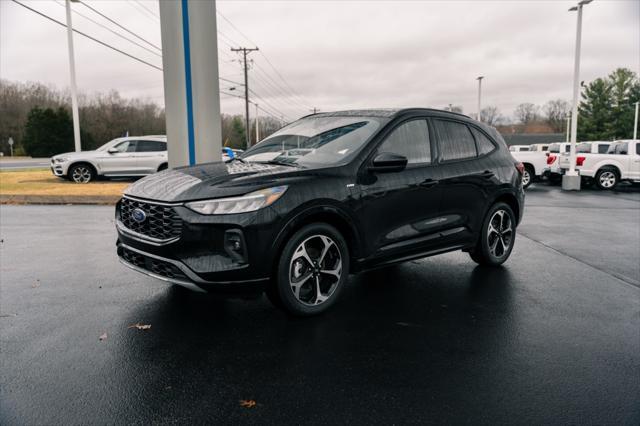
151	12
110	30
115	23
88	36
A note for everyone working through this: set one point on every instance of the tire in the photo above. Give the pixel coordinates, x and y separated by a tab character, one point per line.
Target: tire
81	173
163	166
497	237
607	178
527	176
302	270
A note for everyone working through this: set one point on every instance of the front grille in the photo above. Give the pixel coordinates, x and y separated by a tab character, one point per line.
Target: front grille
159	267
161	222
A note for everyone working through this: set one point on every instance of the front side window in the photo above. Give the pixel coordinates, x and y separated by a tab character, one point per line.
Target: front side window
151	146
485	146
126	146
455	140
411	140
315	141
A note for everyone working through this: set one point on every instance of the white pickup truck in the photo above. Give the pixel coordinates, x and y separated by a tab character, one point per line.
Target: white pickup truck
621	162
596	147
534	163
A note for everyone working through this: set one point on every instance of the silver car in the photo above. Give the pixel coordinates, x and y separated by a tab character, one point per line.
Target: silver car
129	156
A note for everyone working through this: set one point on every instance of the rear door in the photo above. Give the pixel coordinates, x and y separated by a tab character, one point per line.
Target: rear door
398	209
149	155
634	160
468	176
122	162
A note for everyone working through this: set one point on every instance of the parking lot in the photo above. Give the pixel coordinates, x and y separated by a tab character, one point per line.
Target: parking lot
551	337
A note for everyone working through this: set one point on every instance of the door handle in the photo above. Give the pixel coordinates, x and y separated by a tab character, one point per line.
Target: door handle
487	174
428	183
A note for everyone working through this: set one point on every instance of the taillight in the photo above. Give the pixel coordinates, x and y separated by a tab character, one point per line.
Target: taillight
520	168
550	159
580	161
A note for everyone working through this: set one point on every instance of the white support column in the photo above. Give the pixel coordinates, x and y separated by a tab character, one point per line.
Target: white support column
191	93
72	78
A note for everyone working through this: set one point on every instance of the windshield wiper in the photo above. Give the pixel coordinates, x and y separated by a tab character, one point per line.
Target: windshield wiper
281	163
243	161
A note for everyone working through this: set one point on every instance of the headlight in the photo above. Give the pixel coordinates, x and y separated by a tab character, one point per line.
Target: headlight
246	203
60	159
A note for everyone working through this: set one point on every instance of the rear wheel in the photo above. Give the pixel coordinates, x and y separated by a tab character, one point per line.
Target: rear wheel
312	271
527	176
497	238
82	173
607	178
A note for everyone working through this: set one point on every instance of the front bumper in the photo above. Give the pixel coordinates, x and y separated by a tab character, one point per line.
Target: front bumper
58	169
226	254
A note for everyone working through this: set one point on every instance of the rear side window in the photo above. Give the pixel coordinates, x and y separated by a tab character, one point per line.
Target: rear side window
455	140
638	148
151	146
483	143
603	148
410	139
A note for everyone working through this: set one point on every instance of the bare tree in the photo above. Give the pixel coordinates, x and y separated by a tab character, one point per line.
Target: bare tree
491	115
555	114
526	113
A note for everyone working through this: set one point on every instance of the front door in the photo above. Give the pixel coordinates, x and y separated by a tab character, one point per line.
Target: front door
398	208
122	162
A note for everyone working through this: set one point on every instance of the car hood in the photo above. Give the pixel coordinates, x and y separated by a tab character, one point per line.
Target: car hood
73	154
212	180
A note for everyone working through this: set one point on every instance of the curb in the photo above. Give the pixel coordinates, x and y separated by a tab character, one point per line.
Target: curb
60	199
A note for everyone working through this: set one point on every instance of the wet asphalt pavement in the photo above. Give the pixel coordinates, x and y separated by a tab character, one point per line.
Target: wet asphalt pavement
552	337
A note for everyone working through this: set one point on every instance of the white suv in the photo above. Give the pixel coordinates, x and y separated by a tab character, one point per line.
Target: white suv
129	156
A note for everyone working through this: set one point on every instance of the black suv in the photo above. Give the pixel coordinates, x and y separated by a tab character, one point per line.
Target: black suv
328	195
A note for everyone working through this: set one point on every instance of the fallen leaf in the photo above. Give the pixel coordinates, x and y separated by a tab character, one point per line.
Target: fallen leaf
103	336
36	284
247	403
141	326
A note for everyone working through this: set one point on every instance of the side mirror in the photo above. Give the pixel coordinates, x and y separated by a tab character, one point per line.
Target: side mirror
387	162
113	150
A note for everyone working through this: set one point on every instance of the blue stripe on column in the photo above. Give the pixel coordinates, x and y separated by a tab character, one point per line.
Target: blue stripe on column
187	78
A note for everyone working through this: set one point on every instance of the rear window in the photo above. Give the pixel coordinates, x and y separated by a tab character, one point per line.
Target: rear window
554	147
455	140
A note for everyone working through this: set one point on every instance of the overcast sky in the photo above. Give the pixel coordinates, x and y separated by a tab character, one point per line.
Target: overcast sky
344	54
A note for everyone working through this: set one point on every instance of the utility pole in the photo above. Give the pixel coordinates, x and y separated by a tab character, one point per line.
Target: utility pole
571	179
257	126
479	96
72	71
245	51
635	127
314	110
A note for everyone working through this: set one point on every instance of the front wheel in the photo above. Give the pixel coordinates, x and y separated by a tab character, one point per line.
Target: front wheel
497	237
82	173
312	270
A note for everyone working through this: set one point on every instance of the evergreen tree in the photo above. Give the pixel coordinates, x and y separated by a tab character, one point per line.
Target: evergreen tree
594	113
48	132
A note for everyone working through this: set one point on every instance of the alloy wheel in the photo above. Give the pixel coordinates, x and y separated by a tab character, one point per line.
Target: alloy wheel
526	177
315	270
500	235
81	174
607	179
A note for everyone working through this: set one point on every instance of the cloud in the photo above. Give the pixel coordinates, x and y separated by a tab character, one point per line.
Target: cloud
338	55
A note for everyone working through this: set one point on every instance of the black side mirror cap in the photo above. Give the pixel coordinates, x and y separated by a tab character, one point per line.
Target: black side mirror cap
387	162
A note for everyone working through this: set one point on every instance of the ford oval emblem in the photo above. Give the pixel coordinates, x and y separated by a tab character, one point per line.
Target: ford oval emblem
138	215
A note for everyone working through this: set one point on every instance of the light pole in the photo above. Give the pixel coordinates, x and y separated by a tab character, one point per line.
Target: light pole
479	96
571	180
635	126
72	73
568	128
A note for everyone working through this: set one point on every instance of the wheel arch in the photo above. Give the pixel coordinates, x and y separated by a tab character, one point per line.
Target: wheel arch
328	214
87	162
612	166
510	200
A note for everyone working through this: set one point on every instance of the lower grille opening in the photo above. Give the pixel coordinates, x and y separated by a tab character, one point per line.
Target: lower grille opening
158	267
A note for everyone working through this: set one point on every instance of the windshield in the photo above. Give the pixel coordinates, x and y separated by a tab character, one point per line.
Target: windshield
315	141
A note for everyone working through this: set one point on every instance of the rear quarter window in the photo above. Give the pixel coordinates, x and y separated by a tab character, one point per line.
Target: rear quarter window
455	141
483	143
